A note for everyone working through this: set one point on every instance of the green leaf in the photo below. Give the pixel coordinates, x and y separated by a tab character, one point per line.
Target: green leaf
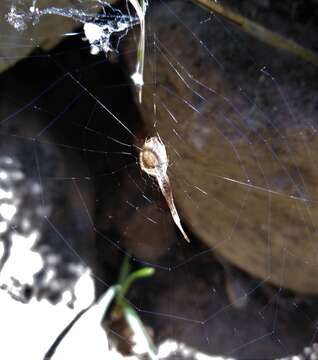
139	330
84	324
138	274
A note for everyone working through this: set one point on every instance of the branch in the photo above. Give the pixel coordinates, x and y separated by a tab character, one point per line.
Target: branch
260	32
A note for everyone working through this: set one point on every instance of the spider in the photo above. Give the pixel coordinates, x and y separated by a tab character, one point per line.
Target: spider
153	160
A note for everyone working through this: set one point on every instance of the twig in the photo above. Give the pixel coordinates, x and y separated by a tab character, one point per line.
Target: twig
140	8
261	33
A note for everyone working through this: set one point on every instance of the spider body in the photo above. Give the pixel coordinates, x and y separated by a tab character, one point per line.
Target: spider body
153	160
148	160
153	156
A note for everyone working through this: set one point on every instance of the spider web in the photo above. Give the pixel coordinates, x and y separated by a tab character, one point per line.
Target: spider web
237	119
